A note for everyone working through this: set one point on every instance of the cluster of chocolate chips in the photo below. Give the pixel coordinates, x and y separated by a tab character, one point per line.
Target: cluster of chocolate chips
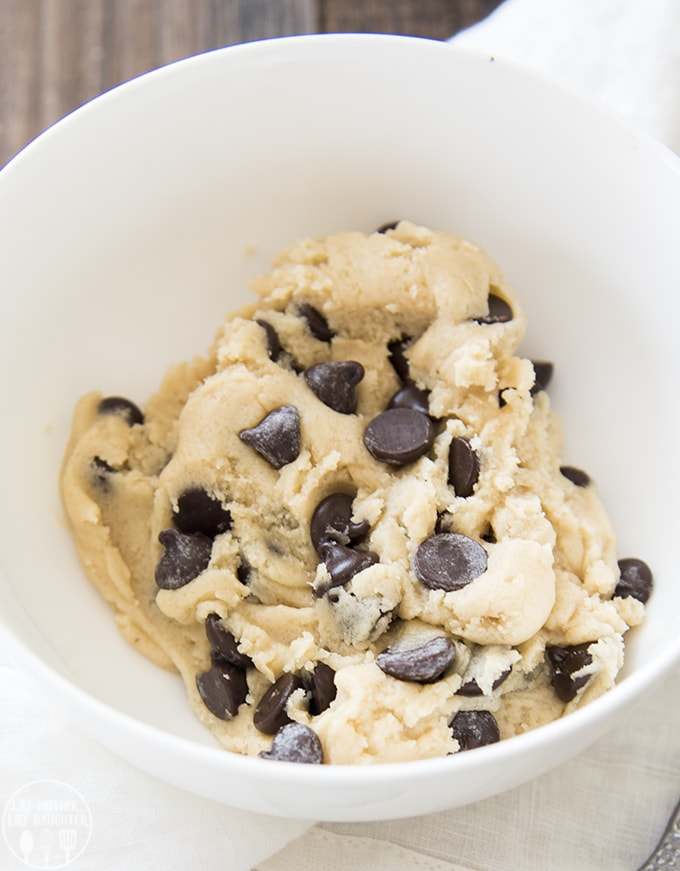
223	687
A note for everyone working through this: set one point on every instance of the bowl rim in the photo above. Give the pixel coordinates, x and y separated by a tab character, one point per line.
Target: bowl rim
631	688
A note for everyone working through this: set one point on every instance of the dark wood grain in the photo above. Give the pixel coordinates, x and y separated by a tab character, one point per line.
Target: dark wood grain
57	54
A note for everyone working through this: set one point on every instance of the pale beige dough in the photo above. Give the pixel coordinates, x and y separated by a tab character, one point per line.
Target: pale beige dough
552	567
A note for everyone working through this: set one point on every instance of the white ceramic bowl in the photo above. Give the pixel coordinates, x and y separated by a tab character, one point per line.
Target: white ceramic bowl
131	227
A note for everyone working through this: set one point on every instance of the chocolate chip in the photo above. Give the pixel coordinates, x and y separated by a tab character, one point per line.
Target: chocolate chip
343	563
423	664
274	348
390	225
499	311
276	437
322	690
198	511
243	570
334	383
564	662
184	558
332	521
123	407
102	472
543	373
223	646
397	356
576	476
223	688
636	579
271	714
316	322
295	742
463	467
448	561
411	396
399	436
475	729
472	688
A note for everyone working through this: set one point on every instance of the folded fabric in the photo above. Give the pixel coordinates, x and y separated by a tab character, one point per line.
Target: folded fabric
624	53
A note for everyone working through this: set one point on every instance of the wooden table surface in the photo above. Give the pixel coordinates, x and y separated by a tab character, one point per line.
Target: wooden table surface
57	54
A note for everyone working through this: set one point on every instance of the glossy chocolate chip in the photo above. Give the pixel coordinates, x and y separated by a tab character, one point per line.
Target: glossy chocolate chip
423	664
322	688
332	521
472	688
295	742
399	436
274	348
543	373
335	383
223	645
564	662
636	579
276	437
316	323
397	356
343	563
448	561
576	476
123	407
475	729
271	713
223	688
499	311
411	396
463	467
183	559
390	225
198	511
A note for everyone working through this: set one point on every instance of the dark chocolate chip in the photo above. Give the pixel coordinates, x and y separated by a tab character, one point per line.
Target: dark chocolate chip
399	436
102	472
322	690
332	521
198	511
475	729
390	225
335	383
449	561
276	437
123	407
636	579
472	688
489	536
243	570
543	373
274	348
397	356
271	714
499	311
295	742
316	322
223	688
343	563
463	467
564	662
411	396
183	559
576	476
423	664
223	645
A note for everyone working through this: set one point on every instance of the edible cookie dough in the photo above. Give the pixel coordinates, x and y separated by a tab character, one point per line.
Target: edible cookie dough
349	527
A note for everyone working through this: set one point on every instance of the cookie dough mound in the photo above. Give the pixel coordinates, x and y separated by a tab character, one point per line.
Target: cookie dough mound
353	514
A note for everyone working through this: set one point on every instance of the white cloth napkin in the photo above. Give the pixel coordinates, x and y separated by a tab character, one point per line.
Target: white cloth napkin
605	809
